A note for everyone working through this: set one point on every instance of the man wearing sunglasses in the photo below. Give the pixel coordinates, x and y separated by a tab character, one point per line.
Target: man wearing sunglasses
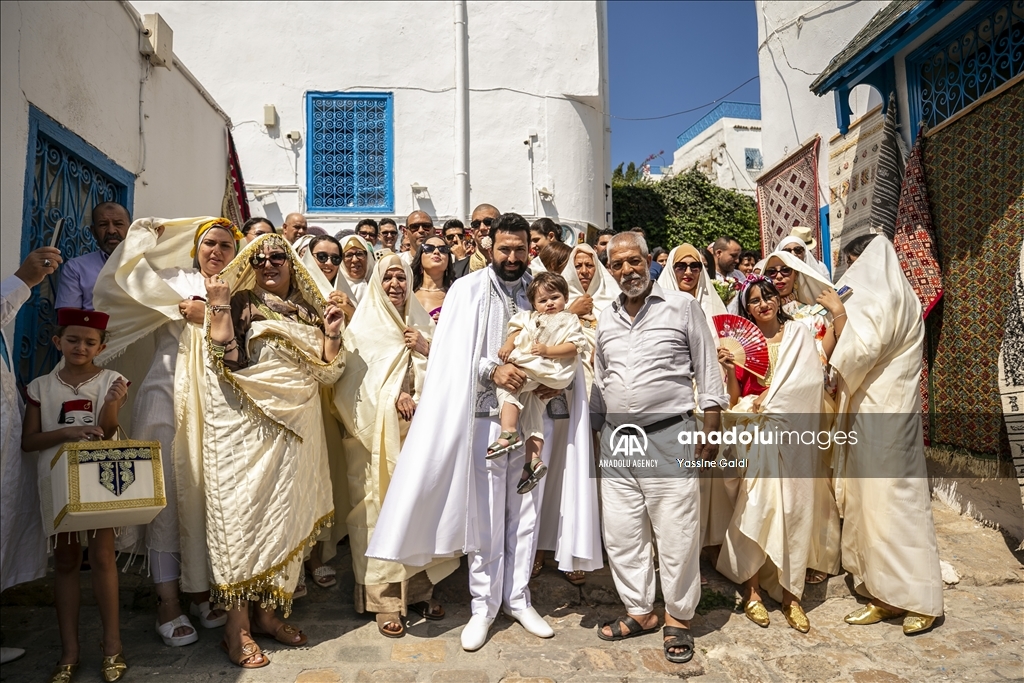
454	233
418	227
480	222
388	234
368	230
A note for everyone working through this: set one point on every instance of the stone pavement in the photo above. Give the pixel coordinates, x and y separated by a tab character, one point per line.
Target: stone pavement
981	639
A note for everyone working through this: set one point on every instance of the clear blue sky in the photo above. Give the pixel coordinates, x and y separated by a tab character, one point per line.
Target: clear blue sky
665	57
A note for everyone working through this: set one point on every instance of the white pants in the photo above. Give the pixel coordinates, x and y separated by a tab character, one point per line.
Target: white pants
632	507
500	571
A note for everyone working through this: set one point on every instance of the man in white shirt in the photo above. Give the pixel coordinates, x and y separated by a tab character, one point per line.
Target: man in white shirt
23	554
652	346
726	251
418	227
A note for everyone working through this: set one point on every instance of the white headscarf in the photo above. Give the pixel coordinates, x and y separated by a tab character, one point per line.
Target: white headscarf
603	289
809	281
808	256
357	287
705	293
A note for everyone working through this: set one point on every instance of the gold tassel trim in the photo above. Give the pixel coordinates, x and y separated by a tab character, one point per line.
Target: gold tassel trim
261	588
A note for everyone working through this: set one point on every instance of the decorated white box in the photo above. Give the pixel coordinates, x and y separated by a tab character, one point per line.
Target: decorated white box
103	484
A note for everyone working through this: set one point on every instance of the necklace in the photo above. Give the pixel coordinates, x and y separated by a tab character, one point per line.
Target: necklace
427	289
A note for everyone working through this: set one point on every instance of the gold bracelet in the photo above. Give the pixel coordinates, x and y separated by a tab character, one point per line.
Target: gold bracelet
218	309
332	337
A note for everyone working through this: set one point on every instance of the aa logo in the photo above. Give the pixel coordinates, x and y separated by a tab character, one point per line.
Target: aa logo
628	441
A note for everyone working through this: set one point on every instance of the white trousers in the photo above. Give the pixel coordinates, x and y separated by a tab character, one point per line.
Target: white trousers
637	508
500	571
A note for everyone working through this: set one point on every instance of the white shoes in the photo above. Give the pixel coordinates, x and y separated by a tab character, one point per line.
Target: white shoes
531	621
474	634
9	654
203	610
167	630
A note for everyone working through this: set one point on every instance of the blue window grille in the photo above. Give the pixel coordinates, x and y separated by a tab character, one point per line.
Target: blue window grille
350	161
65	177
753	158
973	56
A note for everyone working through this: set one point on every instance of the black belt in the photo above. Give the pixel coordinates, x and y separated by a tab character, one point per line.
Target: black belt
658	426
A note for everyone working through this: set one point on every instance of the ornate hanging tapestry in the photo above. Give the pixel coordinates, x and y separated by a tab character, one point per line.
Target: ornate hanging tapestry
975	171
852	166
787	196
1011	376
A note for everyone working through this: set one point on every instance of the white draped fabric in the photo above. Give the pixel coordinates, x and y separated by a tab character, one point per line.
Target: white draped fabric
378	363
433	508
22	540
809	259
889	544
268	491
785	519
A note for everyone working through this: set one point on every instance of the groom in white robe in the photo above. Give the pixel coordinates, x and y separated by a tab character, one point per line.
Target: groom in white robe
445	498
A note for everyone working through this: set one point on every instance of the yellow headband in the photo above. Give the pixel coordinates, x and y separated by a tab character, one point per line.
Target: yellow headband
216	223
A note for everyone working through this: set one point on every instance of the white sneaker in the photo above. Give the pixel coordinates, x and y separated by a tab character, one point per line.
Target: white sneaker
474	634
9	654
531	621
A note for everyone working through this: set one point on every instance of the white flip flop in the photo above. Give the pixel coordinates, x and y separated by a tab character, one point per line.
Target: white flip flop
203	610
167	630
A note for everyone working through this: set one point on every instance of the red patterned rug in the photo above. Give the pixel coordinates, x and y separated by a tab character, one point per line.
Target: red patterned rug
975	172
787	196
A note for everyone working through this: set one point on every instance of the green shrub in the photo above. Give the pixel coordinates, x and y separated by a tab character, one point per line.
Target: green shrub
684	208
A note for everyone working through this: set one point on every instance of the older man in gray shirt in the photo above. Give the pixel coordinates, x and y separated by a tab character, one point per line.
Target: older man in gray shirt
652	346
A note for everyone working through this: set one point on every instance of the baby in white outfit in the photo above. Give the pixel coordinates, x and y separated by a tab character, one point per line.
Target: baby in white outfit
546	343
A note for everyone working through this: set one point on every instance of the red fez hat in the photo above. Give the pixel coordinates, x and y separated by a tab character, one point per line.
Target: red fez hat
78	316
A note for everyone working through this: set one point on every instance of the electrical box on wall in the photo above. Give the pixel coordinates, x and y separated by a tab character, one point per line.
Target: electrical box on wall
269	115
157	41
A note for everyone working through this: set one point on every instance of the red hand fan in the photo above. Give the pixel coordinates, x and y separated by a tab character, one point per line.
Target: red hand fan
742	337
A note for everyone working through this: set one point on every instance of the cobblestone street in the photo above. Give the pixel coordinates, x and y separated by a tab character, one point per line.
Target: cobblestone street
981	638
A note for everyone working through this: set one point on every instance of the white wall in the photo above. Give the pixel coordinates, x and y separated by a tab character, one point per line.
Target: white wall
79	63
720	152
796	41
553	51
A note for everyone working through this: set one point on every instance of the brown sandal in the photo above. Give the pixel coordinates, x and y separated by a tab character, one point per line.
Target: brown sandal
243	656
285	634
538	567
386	618
815	577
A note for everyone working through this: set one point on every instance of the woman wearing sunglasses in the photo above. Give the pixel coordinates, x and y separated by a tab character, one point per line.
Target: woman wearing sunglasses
356	266
432	274
387	346
272	341
323	254
785	520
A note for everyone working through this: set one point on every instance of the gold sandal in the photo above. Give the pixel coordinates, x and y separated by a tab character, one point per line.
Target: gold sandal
113	667
64	673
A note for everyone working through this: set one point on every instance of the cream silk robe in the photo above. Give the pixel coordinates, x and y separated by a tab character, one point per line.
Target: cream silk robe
785	519
376	370
268	489
888	544
141	286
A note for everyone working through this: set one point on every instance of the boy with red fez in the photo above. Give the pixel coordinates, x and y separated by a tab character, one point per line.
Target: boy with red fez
78	402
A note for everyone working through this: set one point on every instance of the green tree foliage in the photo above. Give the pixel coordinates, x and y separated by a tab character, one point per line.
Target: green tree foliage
684	208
